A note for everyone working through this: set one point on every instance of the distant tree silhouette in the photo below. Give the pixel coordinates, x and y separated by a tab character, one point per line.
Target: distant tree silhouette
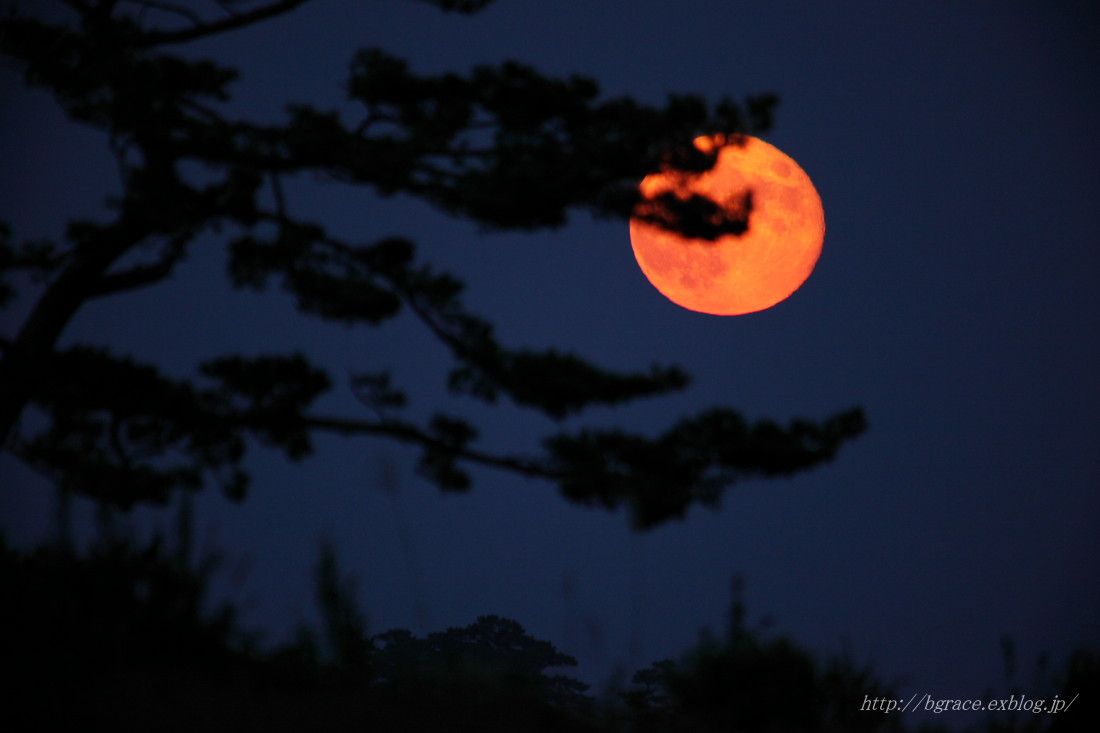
119	636
747	682
502	145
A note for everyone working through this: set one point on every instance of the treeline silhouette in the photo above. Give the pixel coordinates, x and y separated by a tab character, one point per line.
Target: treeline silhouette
121	635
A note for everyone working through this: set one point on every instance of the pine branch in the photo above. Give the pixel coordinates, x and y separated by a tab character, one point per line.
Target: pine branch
140	276
172	8
408	433
202	30
503	146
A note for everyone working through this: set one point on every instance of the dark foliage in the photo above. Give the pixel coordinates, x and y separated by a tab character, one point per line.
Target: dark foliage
503	145
746	682
121	637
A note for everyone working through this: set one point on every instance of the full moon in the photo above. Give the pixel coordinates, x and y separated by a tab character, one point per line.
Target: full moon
735	274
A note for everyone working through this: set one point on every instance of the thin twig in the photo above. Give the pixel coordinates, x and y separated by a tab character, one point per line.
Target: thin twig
139	276
232	22
280	198
411	434
180	10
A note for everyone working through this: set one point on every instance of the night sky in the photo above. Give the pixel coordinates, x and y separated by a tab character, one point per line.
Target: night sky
954	148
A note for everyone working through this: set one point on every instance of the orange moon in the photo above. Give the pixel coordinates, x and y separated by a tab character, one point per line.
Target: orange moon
735	274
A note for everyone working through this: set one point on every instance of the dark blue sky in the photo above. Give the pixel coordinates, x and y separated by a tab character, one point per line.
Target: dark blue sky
955	152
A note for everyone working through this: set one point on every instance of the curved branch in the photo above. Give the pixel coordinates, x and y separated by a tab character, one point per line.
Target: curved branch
411	434
51	314
186	35
138	276
166	7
